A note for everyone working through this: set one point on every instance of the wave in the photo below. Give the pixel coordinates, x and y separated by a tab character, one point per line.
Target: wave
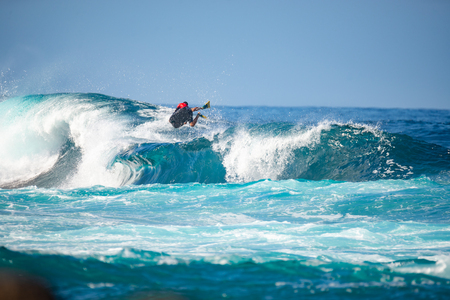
65	139
133	274
276	151
72	140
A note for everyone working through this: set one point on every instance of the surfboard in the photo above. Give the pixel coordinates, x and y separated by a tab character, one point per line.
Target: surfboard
207	105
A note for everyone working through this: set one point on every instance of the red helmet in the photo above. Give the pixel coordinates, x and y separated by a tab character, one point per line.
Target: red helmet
181	105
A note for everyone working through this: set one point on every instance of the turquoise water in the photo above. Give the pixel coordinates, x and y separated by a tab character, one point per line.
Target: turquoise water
103	199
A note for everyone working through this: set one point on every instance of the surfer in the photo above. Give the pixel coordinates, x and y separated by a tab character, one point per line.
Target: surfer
183	114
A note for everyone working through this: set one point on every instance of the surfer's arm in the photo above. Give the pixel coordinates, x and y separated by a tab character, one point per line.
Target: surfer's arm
195	108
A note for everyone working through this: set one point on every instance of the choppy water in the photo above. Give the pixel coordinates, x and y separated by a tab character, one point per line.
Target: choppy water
103	199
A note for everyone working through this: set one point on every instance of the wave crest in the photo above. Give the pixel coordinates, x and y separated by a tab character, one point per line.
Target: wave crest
73	140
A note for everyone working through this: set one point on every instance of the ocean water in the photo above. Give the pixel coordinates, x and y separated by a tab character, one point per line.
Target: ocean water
102	199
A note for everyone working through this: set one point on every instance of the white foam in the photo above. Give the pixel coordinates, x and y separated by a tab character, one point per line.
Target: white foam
249	157
229	219
35	136
440	268
360	234
30	140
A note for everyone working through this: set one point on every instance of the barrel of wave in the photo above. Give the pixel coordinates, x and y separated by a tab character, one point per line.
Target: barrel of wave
35	129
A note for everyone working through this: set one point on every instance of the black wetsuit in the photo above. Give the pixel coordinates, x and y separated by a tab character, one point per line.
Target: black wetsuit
181	116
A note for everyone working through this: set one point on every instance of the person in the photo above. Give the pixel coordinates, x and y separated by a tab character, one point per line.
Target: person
183	114
17	285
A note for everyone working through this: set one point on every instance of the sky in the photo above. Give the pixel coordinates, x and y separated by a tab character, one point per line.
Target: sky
360	53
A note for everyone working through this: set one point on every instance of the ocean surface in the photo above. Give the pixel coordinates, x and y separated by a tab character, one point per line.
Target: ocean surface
102	199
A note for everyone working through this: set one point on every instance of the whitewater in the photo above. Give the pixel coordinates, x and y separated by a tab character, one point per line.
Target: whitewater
103	199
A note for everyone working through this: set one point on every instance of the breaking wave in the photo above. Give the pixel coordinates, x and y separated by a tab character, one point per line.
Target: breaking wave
73	140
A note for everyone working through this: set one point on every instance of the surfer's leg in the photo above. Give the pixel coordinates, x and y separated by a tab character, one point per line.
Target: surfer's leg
195	120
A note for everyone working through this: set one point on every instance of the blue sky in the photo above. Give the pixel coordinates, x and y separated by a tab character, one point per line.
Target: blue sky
276	53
